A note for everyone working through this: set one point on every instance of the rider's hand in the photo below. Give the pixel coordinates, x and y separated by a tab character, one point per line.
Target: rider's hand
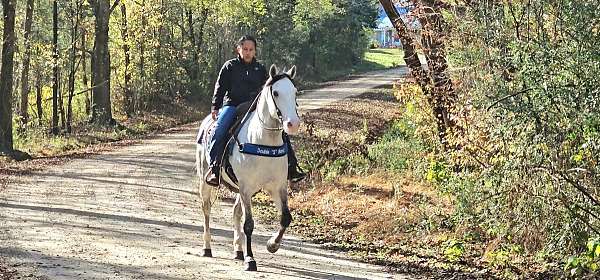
214	114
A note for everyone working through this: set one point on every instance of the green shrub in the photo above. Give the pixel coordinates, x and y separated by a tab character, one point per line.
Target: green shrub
453	250
398	149
585	263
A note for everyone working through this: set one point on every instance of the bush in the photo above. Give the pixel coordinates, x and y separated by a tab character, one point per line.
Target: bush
527	159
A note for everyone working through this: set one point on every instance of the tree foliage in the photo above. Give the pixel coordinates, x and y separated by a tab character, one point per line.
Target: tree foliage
529	154
125	57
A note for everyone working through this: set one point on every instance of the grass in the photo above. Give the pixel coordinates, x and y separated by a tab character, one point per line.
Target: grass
374	59
39	143
364	195
372	192
378	59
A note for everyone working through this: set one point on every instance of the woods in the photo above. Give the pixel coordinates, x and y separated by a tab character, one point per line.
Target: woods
6	76
515	118
84	64
496	141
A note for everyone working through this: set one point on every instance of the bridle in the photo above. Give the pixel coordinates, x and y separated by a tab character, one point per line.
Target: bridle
270	84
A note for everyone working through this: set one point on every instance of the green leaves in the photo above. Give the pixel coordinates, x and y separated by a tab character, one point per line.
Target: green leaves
585	262
453	250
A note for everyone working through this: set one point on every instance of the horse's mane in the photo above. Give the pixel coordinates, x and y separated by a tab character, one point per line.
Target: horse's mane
276	78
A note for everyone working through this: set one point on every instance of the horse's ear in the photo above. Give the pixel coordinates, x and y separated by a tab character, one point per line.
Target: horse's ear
292	72
273	70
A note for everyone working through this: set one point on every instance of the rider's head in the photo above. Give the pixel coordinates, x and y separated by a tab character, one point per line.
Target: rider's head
246	48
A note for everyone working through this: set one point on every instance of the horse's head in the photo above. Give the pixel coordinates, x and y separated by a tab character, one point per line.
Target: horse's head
282	104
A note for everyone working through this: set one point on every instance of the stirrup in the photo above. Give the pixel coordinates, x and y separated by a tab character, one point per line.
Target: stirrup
211	179
296	175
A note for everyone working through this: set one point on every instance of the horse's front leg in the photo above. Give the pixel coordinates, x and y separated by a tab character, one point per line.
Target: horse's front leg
238	234
246	198
280	198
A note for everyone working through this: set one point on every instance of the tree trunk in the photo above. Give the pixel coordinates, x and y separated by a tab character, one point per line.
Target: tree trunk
61	102
6	77
73	65
422	75
142	54
84	80
128	94
159	32
193	69
55	68
196	42
434	48
38	99
26	59
101	104
411	57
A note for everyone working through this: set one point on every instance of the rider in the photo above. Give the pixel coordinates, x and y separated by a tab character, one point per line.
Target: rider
240	80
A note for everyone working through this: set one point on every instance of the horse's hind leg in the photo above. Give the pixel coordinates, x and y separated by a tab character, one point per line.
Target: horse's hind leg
246	199
206	205
280	199
238	234
206	194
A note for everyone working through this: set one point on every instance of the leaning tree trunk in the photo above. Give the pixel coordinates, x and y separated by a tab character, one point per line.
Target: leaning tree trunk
6	77
433	41
434	92
101	104
26	60
419	73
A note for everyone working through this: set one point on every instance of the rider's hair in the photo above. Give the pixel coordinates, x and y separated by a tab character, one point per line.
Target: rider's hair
244	38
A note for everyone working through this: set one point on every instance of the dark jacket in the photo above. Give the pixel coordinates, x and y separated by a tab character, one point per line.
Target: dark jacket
238	82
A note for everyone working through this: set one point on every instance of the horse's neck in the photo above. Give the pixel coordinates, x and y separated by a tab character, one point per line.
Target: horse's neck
255	132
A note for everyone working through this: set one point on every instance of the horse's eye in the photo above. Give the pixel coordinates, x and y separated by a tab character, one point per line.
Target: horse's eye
276	94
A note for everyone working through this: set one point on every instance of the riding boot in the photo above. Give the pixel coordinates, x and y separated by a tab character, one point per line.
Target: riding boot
217	143
295	174
212	176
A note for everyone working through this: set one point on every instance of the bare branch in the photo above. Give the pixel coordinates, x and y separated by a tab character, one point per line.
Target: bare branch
114	5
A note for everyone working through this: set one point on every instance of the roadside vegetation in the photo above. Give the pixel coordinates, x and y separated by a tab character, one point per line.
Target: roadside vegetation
482	164
377	59
491	168
89	71
38	143
376	190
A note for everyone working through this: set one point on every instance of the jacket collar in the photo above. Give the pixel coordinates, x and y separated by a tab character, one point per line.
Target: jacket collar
240	60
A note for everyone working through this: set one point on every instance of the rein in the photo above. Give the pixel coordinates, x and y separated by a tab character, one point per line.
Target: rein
280	121
269	84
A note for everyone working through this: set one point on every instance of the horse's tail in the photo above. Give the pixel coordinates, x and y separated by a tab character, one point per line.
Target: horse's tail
201	146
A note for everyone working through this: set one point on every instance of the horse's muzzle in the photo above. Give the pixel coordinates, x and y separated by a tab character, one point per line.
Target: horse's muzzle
291	126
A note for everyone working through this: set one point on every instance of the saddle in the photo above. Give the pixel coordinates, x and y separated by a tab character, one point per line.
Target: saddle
204	136
242	111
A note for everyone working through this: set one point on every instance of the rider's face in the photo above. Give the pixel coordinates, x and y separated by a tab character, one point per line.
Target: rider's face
247	51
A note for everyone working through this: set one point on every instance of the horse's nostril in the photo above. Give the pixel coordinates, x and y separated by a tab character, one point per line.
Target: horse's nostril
289	124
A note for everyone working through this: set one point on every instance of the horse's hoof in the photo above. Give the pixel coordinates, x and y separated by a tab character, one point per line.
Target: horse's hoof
250	264
272	246
207	253
239	255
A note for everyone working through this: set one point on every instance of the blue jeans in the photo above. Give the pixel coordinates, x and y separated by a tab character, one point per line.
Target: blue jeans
225	119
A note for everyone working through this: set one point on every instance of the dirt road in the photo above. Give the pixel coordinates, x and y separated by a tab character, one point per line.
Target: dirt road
133	213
